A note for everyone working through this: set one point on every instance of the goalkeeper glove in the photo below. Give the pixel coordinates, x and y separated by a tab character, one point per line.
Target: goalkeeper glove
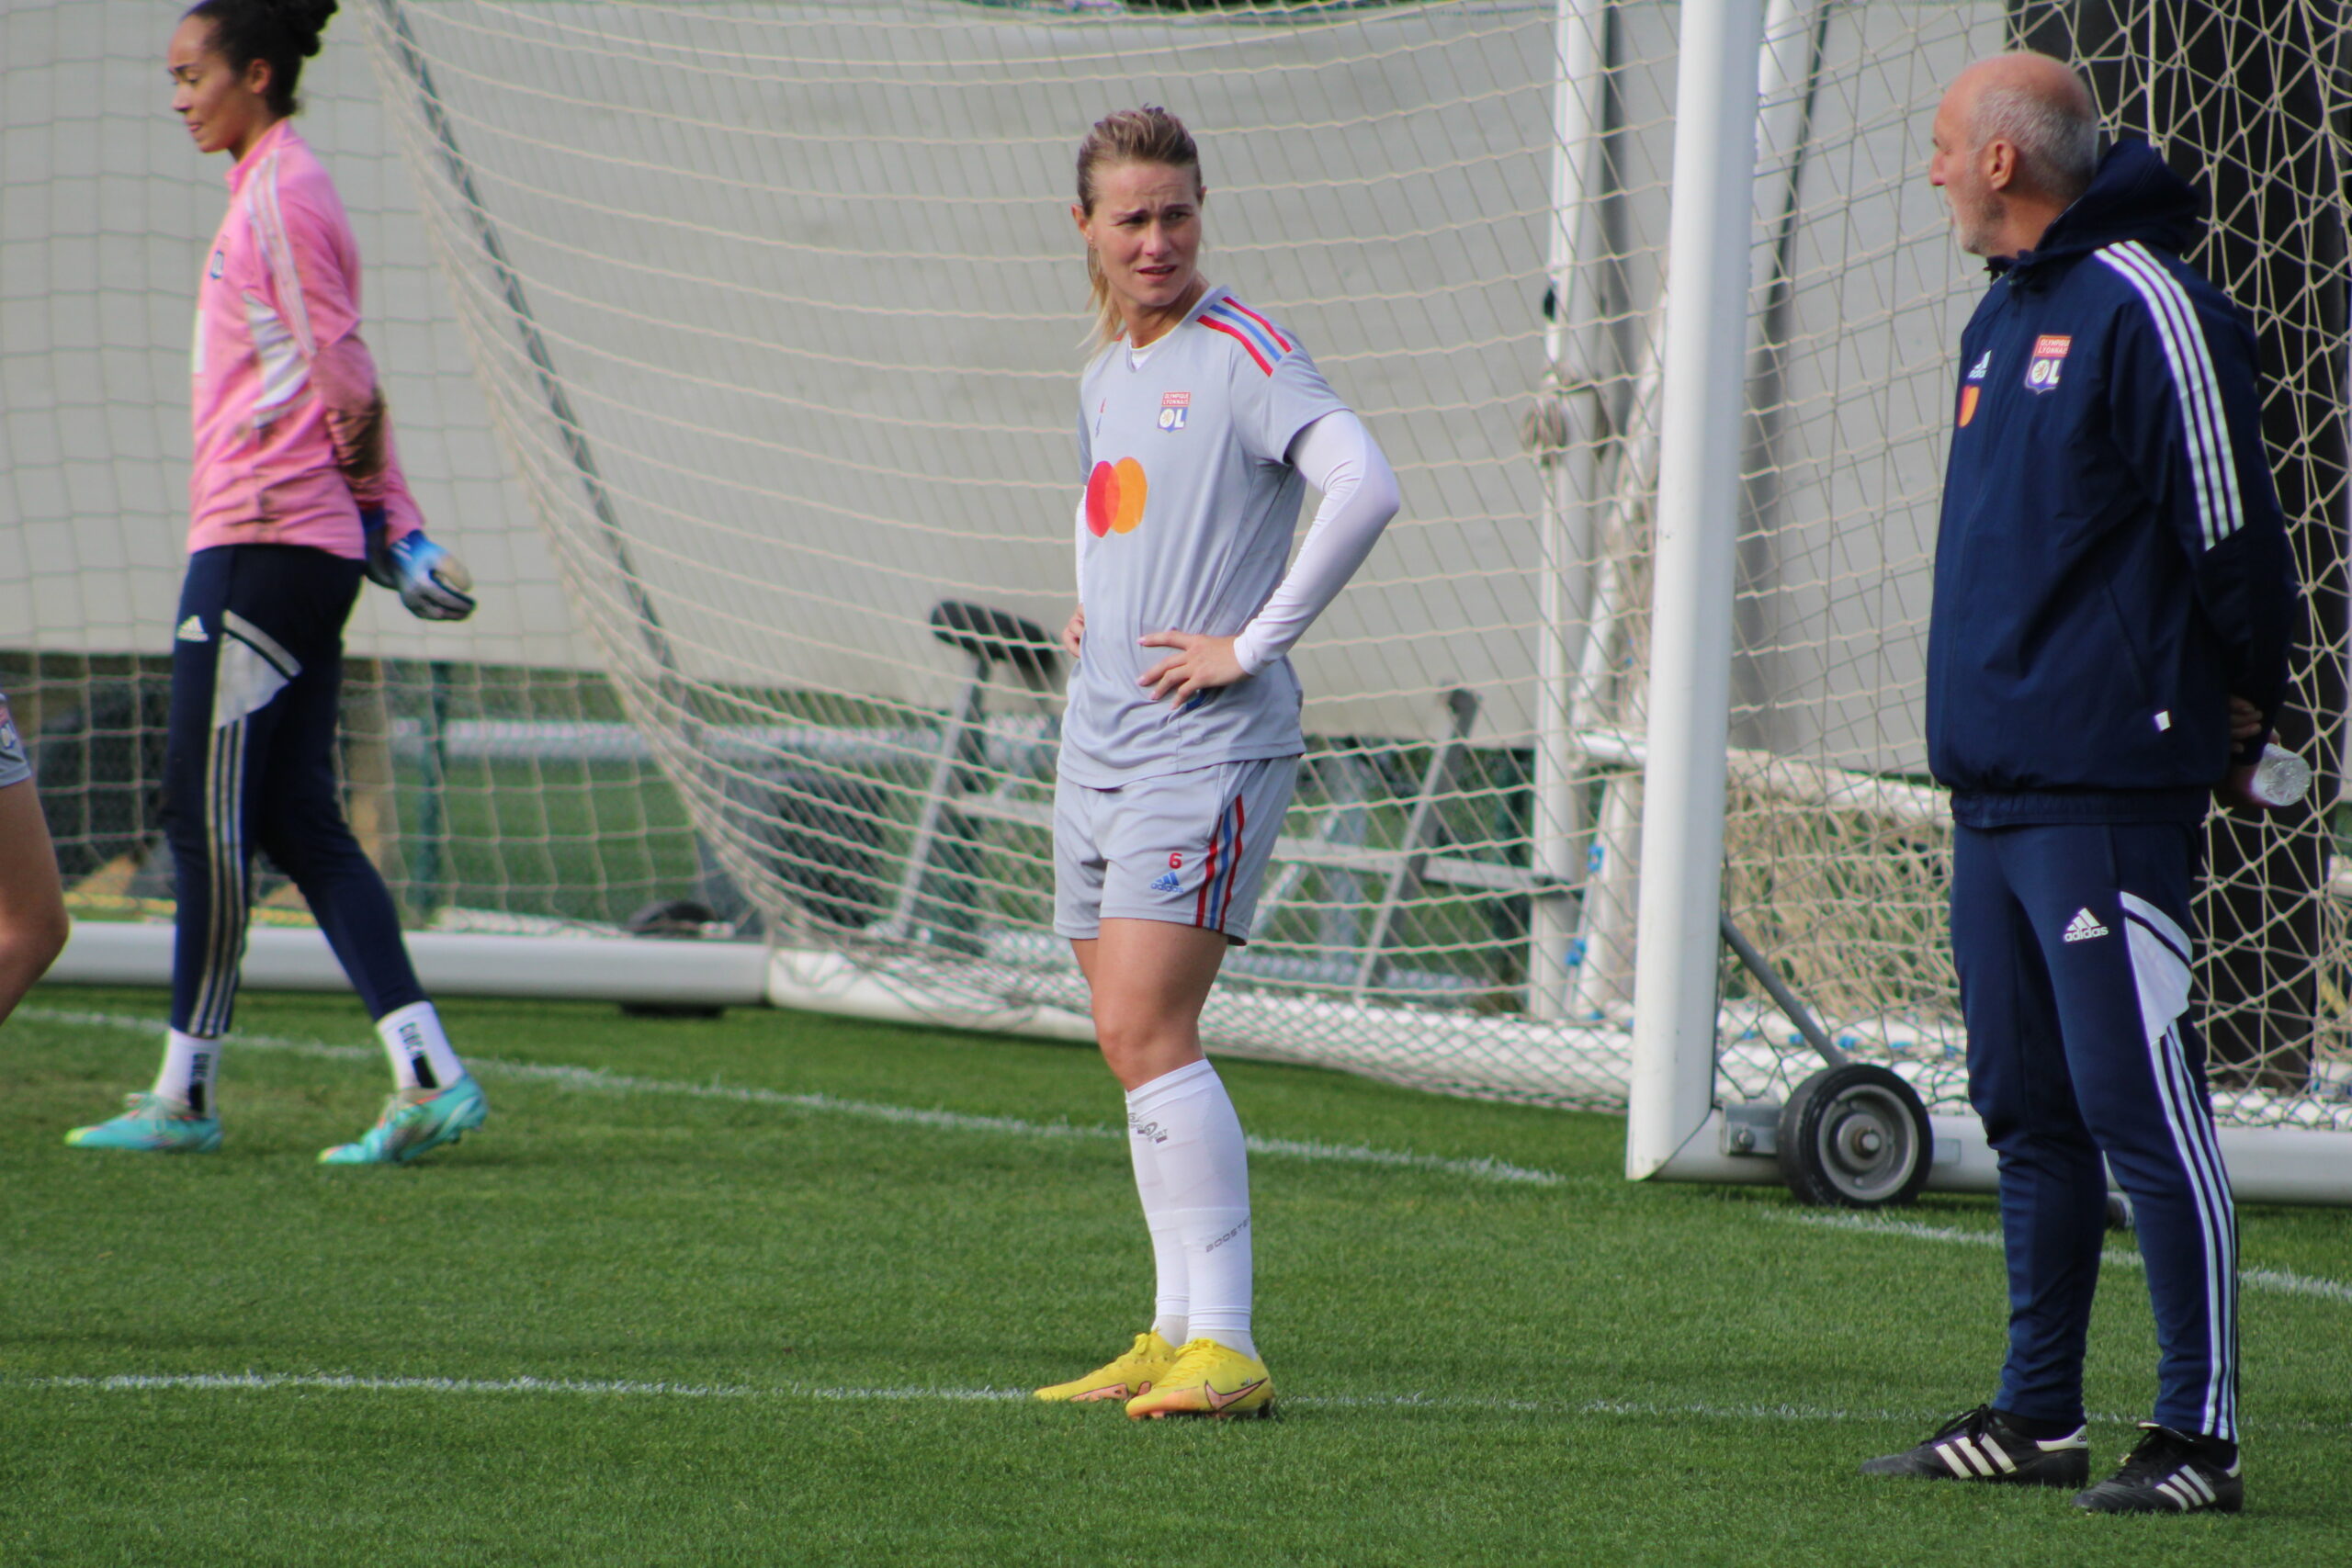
431	582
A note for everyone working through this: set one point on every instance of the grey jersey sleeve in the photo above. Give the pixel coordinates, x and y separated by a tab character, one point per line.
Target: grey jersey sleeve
1271	408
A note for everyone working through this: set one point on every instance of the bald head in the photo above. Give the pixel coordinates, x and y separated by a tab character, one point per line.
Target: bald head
2041	108
2043	76
2016	141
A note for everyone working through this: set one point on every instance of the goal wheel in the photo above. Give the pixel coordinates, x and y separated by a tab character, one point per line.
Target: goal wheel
1855	1136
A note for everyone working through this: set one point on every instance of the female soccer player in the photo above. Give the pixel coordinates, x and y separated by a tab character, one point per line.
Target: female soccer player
294	494
1201	422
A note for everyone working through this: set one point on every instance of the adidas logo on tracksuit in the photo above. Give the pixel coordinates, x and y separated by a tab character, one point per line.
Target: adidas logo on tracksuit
1167	883
2083	926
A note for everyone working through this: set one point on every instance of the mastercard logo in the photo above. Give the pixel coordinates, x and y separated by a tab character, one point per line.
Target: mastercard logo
1115	493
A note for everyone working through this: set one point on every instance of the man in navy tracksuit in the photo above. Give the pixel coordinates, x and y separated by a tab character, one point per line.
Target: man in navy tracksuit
2114	605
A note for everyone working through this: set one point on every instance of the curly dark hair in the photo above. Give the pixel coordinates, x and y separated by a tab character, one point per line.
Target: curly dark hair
283	33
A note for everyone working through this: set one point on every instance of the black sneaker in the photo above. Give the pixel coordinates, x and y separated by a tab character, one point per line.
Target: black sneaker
2171	1472
1982	1446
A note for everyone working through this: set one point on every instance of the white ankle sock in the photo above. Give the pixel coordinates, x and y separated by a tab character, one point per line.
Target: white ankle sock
1170	1298
1204	1172
189	1063
421	1058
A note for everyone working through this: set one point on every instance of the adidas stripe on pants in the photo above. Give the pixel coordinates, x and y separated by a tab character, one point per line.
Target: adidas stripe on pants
2075	983
249	764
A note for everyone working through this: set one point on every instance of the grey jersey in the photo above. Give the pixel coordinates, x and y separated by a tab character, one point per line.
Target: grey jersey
1190	509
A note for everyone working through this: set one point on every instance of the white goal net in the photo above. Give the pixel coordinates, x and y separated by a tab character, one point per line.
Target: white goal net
776	311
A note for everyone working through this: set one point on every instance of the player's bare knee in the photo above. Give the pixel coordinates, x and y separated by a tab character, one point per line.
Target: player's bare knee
51	930
1123	1033
1137	1046
30	941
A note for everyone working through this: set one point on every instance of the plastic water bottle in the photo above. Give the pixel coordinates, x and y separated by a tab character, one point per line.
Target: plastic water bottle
2280	778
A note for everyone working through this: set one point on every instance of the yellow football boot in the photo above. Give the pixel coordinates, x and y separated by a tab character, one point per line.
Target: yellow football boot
1132	1374
1207	1380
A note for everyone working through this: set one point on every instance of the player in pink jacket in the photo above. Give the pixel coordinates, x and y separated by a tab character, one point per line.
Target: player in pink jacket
295	493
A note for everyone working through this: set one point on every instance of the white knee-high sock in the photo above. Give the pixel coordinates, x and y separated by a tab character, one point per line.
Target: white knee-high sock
189	1061
1171	1297
421	1055
1204	1174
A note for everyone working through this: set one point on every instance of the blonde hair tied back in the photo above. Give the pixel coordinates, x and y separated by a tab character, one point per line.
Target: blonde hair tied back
1146	135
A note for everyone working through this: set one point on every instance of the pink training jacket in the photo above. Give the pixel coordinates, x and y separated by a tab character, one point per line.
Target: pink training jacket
281	379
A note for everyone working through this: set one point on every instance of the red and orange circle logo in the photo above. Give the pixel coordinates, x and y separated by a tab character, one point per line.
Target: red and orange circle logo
1114	496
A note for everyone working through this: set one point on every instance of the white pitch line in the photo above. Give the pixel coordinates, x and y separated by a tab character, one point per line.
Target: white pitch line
2275	1281
596	1080
135	1383
350	1383
347	1382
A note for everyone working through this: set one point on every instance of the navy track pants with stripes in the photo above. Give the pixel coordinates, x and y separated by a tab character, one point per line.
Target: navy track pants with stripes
2074	960
249	764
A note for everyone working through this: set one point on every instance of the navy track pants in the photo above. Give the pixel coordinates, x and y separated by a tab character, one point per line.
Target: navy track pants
249	764
2074	956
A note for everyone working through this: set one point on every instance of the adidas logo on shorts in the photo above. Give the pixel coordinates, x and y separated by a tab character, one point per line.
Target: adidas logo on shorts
2083	926
1167	883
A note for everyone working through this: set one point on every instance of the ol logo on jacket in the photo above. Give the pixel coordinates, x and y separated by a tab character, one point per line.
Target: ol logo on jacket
2049	357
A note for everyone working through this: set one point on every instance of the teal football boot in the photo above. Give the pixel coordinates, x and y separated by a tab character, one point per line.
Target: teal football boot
414	1121
151	1124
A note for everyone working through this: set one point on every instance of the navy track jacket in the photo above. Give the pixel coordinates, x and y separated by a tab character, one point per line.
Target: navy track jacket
2111	567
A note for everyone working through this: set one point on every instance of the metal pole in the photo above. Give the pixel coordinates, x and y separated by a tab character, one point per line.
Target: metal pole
1698	513
1566	441
1602	978
431	872
1783	995
569	429
1785	79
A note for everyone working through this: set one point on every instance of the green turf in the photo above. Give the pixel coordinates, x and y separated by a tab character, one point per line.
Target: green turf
1475	1371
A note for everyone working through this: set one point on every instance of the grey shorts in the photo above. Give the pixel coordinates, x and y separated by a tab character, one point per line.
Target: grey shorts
14	768
1188	848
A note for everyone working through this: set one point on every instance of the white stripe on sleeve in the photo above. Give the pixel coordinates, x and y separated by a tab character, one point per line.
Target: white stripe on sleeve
2211	461
268	218
2193	368
2222	448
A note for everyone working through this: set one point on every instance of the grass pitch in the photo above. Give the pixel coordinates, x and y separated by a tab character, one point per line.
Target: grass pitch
757	1290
